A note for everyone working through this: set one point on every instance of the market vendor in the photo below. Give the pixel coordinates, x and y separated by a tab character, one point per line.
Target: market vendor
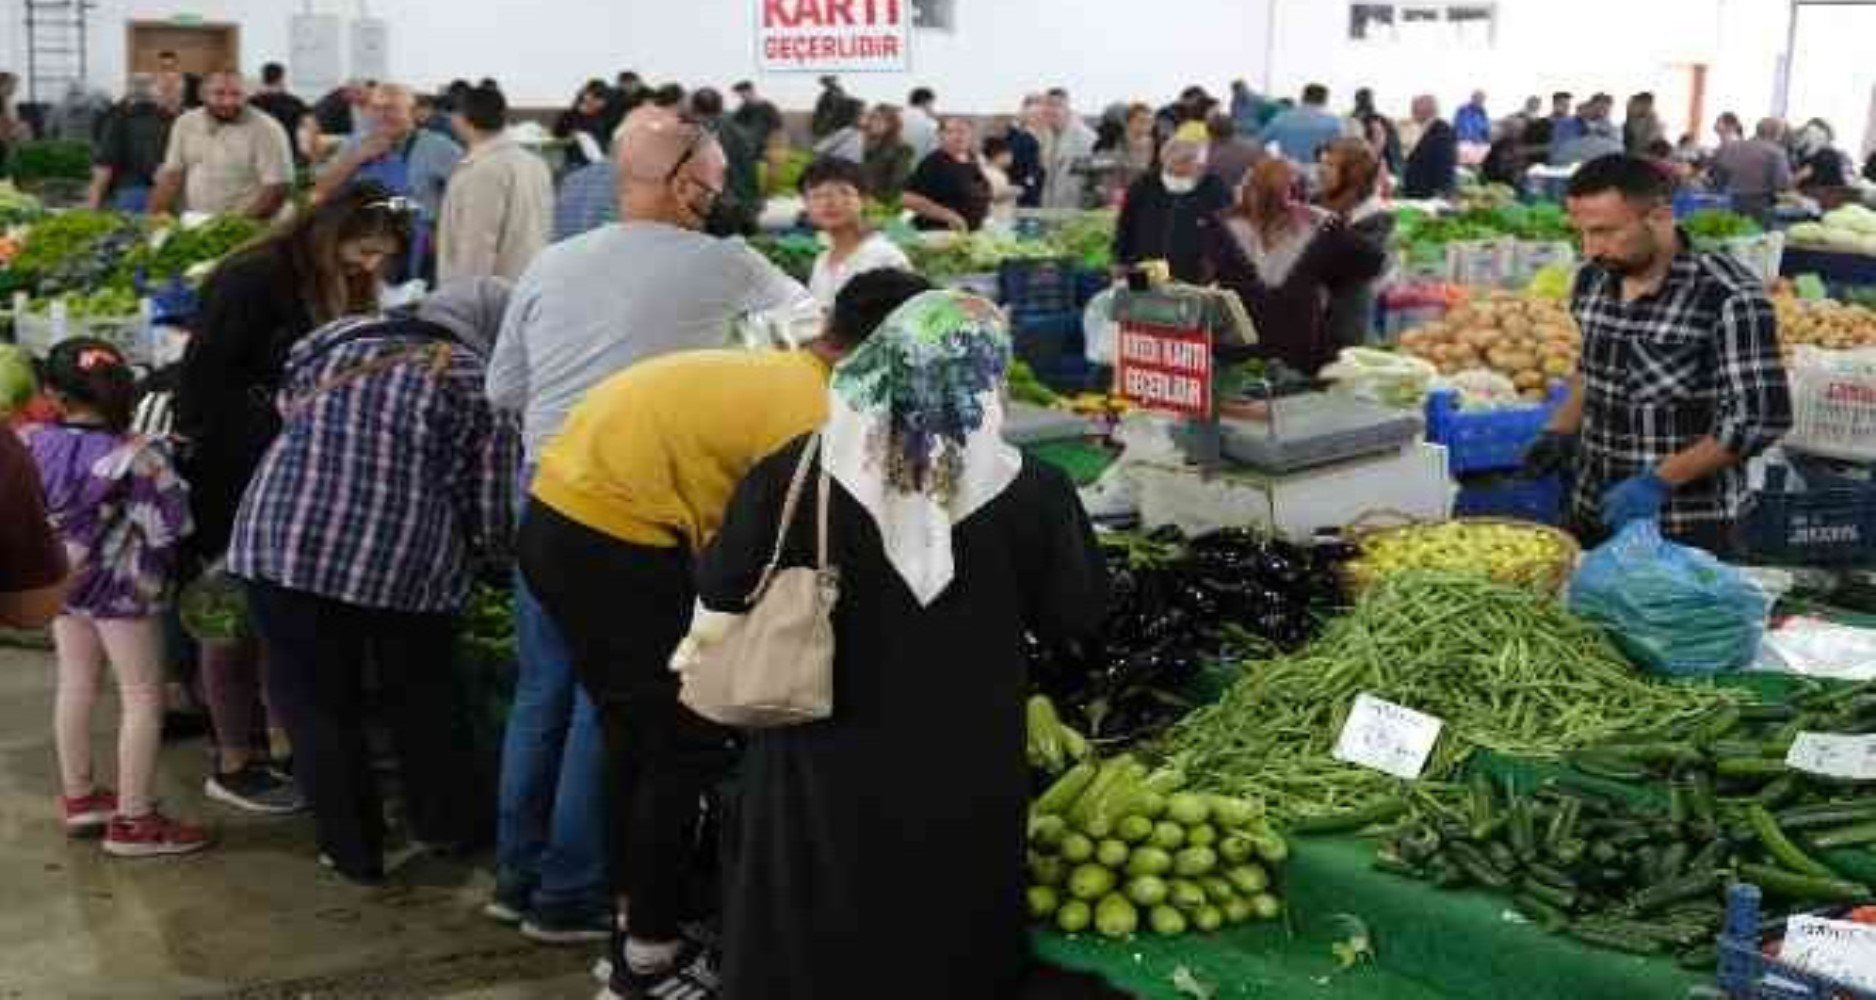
225	157
1166	212
1680	380
949	189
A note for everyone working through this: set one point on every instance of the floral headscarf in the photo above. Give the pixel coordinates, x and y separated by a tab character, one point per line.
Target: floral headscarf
915	429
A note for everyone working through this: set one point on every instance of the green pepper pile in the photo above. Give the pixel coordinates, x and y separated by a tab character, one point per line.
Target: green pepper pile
1508	670
1633	845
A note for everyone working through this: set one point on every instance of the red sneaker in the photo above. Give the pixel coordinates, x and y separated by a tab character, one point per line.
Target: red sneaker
87	815
152	835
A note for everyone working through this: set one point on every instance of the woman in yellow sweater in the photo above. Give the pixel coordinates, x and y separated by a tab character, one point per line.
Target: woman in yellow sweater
633	487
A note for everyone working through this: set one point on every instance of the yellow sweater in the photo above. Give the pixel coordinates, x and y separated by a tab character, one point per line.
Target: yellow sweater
652	455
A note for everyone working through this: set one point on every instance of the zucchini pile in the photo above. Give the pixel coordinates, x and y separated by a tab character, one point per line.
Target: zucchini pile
1116	848
1633	846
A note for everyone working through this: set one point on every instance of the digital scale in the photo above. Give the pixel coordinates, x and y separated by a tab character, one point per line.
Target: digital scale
1165	362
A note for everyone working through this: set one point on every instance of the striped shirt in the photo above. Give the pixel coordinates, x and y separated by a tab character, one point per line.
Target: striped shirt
1696	358
391	477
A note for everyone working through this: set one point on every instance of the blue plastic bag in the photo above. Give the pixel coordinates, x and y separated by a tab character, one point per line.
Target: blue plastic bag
1672	609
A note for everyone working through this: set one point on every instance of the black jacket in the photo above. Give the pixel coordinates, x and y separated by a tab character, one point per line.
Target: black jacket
1156	224
251	313
1433	165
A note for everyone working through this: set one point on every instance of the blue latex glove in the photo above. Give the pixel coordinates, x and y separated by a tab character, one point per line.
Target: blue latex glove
1637	498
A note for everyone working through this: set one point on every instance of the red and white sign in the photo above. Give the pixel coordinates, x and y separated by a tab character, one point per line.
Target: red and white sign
833	36
1165	369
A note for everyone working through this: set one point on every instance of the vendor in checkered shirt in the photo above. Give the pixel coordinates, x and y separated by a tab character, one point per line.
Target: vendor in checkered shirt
1680	381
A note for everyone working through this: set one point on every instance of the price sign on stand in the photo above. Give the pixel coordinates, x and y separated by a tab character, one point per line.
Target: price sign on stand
1852	758
1389	738
1843	951
1165	368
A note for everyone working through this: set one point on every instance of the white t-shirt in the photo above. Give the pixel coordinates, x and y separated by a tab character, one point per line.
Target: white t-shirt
875	253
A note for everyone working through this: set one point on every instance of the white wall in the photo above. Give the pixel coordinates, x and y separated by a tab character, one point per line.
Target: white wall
1103	50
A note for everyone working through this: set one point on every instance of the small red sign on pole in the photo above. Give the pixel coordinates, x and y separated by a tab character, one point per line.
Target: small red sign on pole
1160	368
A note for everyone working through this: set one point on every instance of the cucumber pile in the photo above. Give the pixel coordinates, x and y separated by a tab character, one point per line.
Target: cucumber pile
1632	848
1117	848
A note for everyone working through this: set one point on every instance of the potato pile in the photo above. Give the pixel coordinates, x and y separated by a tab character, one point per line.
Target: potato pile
1832	325
1527	339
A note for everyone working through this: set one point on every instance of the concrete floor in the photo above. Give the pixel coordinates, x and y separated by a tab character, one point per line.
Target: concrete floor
254	918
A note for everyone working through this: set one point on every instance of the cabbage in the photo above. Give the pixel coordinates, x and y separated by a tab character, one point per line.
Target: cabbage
1809	232
17	384
1854	218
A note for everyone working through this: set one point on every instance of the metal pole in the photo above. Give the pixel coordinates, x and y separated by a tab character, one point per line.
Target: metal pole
1270	45
1781	98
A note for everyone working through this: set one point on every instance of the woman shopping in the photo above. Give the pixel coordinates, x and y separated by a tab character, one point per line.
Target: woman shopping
1287	261
1351	176
121	512
391	481
326	264
950	547
836	194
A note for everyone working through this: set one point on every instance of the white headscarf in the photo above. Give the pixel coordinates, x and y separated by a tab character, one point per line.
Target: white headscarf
914	431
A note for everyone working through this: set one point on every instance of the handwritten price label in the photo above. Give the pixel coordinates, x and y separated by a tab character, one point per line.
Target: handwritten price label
1843	951
1389	738
1835	756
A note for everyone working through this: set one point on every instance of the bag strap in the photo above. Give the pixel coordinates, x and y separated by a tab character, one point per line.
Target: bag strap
789	506
820	527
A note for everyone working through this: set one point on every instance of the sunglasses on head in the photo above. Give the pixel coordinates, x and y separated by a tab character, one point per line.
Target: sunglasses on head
396	205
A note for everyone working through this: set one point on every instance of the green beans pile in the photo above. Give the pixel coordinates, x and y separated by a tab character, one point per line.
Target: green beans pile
1508	670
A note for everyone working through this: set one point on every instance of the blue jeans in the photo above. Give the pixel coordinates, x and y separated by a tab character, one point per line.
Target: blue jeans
551	827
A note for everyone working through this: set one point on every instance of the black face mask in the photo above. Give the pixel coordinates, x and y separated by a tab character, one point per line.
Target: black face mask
726	217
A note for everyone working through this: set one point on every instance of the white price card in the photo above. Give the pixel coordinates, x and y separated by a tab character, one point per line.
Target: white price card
1833	755
1389	738
1841	950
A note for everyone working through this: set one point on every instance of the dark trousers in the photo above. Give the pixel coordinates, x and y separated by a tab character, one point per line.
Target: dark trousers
317	652
622	609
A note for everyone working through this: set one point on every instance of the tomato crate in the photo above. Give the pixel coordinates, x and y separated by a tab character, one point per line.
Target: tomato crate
1825	522
1746	973
1487	440
1045	285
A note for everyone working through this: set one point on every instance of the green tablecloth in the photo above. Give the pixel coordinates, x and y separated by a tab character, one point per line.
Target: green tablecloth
1429	944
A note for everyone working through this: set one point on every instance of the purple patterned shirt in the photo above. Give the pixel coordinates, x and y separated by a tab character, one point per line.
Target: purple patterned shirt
121	511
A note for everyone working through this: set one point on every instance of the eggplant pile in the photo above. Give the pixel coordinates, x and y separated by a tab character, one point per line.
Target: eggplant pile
1176	607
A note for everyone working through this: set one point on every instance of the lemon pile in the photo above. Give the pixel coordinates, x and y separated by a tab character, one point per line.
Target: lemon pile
1506	552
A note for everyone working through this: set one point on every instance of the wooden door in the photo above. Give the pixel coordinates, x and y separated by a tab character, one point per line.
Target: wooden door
200	48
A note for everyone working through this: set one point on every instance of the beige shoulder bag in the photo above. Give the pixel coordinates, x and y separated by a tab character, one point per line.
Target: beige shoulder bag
773	665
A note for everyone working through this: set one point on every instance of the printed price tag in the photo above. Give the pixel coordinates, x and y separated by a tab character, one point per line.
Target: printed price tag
1387	737
1834	756
1839	949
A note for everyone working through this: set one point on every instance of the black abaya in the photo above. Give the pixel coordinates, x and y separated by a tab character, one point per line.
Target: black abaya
880	853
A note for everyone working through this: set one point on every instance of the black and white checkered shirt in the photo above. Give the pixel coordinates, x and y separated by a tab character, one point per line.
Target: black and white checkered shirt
1696	358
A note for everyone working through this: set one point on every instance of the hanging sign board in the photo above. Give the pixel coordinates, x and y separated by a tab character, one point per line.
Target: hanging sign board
371	49
833	36
315	56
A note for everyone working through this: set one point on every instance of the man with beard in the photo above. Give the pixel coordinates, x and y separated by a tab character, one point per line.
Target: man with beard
1680	381
225	156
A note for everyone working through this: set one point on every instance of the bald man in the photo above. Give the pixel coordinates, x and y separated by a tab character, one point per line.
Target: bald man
589	307
394	152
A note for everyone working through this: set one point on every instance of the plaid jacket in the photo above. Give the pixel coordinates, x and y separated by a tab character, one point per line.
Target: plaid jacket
1697	358
391	476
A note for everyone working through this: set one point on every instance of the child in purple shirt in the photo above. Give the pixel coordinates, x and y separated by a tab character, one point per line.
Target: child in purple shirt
121	511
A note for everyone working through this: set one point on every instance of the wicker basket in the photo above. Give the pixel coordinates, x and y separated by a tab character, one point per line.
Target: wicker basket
1550	578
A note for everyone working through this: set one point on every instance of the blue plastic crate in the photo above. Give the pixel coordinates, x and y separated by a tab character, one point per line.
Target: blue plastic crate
1037	286
1089	283
1687	203
1831	522
1487	440
1500	495
1746	973
1069	375
1043	339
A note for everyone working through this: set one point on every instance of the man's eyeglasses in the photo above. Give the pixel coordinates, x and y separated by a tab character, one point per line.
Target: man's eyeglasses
700	136
396	205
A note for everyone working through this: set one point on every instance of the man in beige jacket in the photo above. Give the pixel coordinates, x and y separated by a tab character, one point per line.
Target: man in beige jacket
499	210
